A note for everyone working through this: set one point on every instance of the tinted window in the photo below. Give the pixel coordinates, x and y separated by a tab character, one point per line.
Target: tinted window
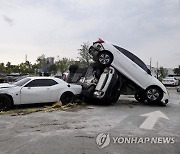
41	83
134	58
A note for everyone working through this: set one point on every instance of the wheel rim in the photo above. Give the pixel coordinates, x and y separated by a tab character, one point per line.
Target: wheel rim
153	94
104	59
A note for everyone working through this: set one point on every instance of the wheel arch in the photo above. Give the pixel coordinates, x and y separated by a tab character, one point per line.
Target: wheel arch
156	86
66	91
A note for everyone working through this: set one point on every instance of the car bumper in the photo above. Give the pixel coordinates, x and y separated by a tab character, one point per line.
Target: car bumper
165	98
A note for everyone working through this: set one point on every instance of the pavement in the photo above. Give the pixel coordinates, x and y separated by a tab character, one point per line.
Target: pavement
123	128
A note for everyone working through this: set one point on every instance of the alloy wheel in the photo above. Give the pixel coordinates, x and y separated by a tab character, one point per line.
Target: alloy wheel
104	59
153	94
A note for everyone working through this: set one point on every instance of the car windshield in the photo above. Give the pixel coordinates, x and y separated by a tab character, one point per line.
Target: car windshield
21	82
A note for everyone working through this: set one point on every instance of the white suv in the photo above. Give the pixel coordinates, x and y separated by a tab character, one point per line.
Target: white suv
132	69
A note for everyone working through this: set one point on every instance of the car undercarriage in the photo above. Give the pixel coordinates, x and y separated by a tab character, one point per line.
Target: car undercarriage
101	84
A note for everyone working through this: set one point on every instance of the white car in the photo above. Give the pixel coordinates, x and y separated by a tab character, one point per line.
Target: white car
37	90
170	81
132	69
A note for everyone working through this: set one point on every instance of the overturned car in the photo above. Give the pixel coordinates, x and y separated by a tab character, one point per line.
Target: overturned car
114	70
102	84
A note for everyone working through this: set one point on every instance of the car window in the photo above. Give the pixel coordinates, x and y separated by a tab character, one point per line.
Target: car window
41	83
22	82
134	58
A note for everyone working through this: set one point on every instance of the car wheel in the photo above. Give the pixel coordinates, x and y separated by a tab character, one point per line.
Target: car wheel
154	94
105	58
67	97
5	103
115	99
140	97
178	89
110	101
106	102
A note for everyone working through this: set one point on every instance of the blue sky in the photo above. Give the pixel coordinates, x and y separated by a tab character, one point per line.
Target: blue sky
148	28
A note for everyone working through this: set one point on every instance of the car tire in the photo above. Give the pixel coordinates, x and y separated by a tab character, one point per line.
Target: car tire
67	97
110	101
5	103
105	58
106	102
140	97
115	99
154	94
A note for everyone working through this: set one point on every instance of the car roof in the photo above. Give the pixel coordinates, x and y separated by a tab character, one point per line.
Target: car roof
39	77
45	77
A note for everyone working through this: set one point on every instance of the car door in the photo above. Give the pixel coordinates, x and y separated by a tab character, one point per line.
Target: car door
36	91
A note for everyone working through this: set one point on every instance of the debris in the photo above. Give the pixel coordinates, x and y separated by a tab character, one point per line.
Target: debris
54	107
57	104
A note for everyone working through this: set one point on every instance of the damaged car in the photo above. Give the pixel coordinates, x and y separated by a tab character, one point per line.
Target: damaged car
132	72
102	85
99	84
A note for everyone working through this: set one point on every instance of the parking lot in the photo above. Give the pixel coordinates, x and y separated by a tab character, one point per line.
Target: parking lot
76	130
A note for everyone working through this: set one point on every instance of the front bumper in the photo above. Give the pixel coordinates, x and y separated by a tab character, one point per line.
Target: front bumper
165	98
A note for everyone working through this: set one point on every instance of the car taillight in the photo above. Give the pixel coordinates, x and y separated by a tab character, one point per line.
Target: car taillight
99	41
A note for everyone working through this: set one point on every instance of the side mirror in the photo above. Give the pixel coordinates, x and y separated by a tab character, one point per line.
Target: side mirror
149	72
